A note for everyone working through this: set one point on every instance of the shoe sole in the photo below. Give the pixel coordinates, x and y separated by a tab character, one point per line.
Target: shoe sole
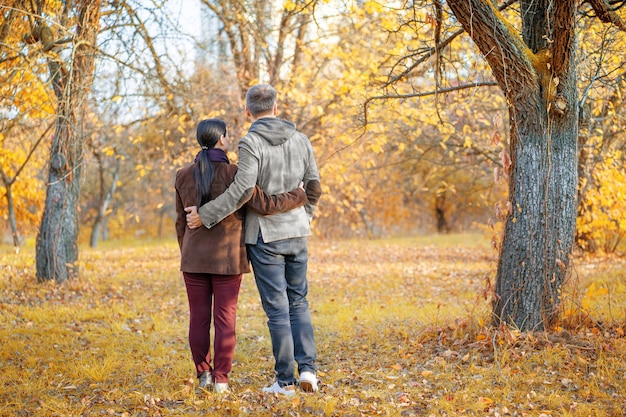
286	392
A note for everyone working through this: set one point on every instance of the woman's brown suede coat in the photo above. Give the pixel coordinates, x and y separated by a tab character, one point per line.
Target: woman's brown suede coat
221	250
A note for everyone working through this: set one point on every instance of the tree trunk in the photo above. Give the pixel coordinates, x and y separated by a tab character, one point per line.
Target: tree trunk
17	238
539	232
57	241
105	229
368	226
105	200
537	74
440	214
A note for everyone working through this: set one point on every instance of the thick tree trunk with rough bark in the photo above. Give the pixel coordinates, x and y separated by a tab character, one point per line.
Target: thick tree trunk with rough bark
57	241
539	231
536	72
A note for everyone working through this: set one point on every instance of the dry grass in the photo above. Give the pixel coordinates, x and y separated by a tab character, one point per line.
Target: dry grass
399	325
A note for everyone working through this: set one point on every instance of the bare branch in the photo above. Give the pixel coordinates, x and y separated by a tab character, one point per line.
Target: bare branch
606	14
427	53
30	154
5	28
10	58
425	94
143	32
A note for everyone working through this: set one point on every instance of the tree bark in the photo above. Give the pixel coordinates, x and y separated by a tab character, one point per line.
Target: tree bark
539	81
440	214
105	200
17	239
57	241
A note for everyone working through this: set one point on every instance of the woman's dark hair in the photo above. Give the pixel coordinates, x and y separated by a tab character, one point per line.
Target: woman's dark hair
207	135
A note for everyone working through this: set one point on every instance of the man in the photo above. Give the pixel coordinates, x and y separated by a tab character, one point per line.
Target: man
274	155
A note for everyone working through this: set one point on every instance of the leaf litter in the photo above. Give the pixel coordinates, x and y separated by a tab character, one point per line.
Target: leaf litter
402	329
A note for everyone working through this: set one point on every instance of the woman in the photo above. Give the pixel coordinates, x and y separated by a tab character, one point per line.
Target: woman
213	260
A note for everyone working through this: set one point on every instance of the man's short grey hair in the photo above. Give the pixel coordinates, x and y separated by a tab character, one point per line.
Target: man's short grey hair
260	99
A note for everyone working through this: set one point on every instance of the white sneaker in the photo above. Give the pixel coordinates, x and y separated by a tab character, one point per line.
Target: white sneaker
308	381
221	387
205	380
275	388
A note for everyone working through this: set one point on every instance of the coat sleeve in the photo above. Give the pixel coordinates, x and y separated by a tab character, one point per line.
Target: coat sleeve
312	183
237	193
181	222
266	204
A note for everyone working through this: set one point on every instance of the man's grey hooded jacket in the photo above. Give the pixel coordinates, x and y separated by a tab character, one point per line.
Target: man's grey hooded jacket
274	155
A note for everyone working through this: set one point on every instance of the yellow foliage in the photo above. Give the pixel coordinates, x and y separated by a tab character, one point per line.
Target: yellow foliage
374	6
28	191
594	292
25	92
604	216
23	82
290	5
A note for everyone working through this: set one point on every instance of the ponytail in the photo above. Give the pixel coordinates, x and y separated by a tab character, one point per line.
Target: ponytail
203	173
207	135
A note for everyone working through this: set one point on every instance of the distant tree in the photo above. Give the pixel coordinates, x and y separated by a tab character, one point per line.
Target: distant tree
141	112
259	43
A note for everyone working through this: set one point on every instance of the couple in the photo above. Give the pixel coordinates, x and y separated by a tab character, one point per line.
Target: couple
273	158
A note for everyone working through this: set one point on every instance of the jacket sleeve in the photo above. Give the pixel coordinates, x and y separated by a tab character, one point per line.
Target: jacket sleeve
237	193
266	204
181	222
312	183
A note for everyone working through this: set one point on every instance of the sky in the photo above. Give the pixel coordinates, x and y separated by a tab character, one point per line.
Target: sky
188	13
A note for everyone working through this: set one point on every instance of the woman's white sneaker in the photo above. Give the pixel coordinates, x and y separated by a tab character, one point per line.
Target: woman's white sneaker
205	380
221	388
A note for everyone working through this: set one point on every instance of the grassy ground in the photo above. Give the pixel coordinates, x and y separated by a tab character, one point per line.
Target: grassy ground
400	327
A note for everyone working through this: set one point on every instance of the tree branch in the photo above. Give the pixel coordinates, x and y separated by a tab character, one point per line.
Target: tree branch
564	25
429	52
30	154
606	14
142	30
502	48
428	93
9	58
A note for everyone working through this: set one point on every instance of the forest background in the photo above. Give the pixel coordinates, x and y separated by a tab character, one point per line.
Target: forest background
402	148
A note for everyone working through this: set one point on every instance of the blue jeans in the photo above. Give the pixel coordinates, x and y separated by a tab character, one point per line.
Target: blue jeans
280	273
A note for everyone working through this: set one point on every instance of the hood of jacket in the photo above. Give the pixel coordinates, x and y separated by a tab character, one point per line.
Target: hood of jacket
273	129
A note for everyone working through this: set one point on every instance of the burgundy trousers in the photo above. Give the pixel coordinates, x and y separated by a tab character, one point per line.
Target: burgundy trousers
215	295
